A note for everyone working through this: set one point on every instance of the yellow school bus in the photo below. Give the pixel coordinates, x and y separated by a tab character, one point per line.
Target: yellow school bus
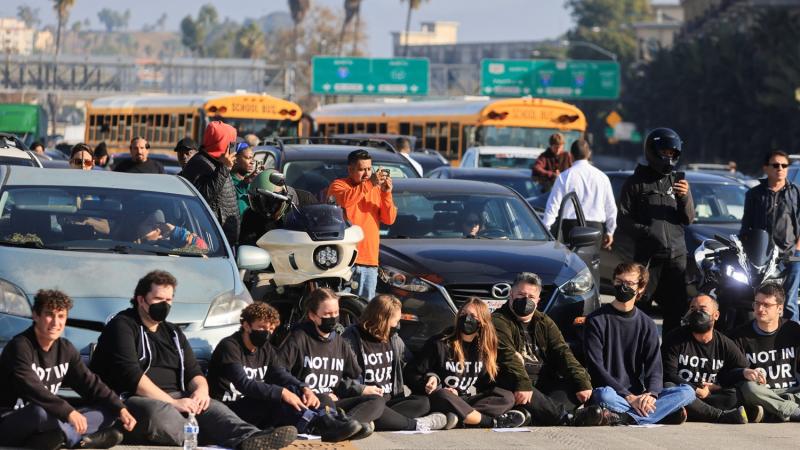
451	126
163	120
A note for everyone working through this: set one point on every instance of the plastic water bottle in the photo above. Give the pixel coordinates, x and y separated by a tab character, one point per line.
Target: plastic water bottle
190	432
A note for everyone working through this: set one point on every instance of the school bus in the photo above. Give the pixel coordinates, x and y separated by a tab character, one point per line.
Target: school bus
451	126
163	120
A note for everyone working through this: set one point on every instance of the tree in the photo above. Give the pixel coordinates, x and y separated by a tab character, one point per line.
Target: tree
161	22
114	20
195	32
412	5
352	8
62	8
298	9
28	15
250	41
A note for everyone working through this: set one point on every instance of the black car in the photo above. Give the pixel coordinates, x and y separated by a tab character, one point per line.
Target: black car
517	179
429	262
429	159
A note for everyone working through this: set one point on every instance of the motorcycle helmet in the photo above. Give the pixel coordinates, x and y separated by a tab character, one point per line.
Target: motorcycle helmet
658	140
264	204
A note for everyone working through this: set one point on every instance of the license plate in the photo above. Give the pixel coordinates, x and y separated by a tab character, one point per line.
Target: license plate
494	304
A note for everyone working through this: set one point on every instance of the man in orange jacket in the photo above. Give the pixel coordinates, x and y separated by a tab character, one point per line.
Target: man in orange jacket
366	197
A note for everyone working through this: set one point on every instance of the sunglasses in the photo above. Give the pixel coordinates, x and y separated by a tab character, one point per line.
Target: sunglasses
779	165
82	162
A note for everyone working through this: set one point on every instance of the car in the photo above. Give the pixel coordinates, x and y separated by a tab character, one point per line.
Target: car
170	162
517	179
426	159
723	170
13	152
501	157
429	159
433	268
76	231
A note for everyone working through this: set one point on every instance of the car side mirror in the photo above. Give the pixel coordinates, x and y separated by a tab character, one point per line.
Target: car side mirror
584	237
252	258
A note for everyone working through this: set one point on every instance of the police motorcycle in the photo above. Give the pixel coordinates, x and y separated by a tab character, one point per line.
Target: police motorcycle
732	270
316	248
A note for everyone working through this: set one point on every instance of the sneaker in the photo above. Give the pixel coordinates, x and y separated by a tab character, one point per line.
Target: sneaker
526	413
434	421
675	418
510	419
736	416
334	429
105	438
755	413
452	421
588	416
613	419
795	416
49	440
270	439
367	428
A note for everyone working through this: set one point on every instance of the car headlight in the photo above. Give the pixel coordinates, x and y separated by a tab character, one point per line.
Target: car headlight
580	284
13	301
226	310
326	256
402	280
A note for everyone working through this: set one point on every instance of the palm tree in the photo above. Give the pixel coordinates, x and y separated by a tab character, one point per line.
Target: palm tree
298	8
412	5
62	8
352	8
250	41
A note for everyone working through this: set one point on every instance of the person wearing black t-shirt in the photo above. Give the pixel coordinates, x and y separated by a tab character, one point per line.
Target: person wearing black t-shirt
244	374
382	356
150	363
34	365
699	355
139	161
457	371
772	347
316	354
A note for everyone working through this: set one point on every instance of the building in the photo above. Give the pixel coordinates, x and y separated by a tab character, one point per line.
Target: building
659	32
430	33
15	37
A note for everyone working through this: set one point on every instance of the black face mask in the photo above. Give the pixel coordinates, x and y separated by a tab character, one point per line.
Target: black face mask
624	293
523	306
259	337
158	311
468	324
698	321
328	324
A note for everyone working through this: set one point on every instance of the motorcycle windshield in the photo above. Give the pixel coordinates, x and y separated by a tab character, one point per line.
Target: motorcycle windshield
757	247
321	222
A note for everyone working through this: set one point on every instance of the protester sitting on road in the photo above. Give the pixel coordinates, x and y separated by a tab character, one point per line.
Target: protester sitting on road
466	357
316	354
101	155
245	375
149	362
155	230
81	157
471	225
34	365
382	356
185	148
772	346
624	360
701	356
139	161
537	364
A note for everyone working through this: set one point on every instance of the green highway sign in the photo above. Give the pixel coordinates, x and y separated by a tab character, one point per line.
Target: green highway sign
369	76
550	78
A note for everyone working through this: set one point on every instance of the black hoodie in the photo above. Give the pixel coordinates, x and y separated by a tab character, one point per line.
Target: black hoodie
438	360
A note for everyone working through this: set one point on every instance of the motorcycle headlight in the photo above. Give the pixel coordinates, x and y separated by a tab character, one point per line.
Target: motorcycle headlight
402	280
226	309
737	275
326	256
13	300
580	284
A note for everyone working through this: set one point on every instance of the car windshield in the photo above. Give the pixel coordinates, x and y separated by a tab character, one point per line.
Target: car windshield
523	136
28	162
506	161
460	216
718	202
316	176
263	128
107	220
525	186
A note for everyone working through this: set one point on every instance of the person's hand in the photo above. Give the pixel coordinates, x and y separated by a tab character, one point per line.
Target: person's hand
430	386
713	387
333	397
522	397
202	399
608	239
128	421
643	404
648	404
452	391
310	399
372	390
557	173
754	375
702	392
681	188
291	399
185	405
387	184
583	396
78	421
227	159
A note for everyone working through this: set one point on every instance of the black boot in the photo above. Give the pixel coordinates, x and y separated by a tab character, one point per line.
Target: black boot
49	440
334	429
588	416
610	418
270	439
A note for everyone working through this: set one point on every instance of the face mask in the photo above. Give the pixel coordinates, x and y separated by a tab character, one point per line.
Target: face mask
698	321
328	324
259	337
159	311
523	306
468	324
624	293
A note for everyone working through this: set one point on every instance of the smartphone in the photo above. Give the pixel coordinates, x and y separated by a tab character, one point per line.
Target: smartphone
386	172
680	176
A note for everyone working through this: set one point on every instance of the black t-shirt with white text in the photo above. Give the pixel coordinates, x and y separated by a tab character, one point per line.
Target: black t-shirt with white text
776	353
688	361
378	362
438	358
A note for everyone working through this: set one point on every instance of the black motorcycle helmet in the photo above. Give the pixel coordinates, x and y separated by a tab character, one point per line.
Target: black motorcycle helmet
658	140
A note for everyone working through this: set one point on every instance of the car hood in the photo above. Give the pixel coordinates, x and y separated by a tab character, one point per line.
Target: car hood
701	231
481	260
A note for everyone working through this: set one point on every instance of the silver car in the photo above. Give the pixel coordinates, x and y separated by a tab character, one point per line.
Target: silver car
94	234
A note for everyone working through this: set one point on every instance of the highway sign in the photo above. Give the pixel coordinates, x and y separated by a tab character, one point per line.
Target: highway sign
369	76
550	78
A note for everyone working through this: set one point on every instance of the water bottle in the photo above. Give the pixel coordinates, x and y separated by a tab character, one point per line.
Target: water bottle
190	432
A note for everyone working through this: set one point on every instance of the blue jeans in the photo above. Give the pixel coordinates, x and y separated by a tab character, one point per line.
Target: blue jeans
367	279
790	285
18	426
670	400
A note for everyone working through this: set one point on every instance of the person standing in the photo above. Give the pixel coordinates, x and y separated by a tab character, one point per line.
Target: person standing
774	206
366	197
185	149
404	147
101	157
551	163
242	174
139	161
593	189
655	206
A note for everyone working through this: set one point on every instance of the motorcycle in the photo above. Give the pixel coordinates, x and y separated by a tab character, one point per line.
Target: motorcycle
316	248
732	271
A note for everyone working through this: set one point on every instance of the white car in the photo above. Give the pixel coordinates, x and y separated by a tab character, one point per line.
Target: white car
12	153
504	157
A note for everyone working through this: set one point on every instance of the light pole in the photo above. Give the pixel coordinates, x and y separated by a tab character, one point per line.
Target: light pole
593	46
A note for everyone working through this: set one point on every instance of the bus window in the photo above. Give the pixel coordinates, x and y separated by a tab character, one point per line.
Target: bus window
195	130
442	137
128	128
148	132
431	133
454	140
359	128
157	132
173	122
382	128
113	129
350	128
339	128
405	128
372	128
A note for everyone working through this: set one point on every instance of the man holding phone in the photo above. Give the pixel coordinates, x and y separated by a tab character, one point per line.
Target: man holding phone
655	206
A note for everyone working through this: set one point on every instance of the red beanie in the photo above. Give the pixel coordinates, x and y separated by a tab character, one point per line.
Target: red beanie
217	137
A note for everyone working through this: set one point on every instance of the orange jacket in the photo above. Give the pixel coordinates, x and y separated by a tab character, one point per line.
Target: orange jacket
365	205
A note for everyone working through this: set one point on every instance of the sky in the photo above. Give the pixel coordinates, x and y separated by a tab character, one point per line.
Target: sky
495	20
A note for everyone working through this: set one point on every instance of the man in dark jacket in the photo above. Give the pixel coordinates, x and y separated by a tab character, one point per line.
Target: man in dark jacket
210	172
139	161
533	357
551	163
774	206
654	208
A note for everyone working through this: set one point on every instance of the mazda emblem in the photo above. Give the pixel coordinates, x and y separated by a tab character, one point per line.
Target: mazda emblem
501	290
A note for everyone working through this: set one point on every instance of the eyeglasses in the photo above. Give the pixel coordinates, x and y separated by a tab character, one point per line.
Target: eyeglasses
779	166
630	284
82	162
757	305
